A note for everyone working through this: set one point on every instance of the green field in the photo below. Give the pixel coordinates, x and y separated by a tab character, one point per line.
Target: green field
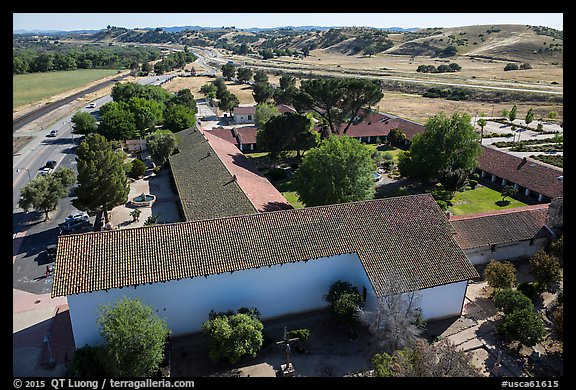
479	200
287	190
33	87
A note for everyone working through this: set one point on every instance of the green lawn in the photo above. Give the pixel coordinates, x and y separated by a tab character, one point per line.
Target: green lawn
287	190
479	200
32	87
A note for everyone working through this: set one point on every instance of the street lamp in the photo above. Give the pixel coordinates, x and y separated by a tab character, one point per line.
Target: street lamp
27	170
47	342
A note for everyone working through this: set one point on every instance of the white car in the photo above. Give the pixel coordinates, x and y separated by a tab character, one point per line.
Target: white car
91	105
45	171
76	217
53	133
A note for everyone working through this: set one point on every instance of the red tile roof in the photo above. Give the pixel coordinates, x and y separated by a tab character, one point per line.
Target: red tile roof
225	134
500	227
245	110
380	124
246	135
283	108
407	237
530	173
261	193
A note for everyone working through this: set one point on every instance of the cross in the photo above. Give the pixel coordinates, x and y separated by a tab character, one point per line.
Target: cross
287	342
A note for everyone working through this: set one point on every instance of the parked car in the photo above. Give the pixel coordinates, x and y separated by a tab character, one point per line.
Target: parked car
91	105
75	226
76	217
51	164
51	251
44	171
53	133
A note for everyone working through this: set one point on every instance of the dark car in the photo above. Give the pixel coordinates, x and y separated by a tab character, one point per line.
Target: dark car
51	164
51	251
75	226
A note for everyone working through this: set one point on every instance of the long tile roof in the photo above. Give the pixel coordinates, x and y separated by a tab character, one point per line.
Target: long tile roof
407	238
205	187
500	227
528	173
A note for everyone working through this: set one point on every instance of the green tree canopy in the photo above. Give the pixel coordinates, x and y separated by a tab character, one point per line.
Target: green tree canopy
209	90
102	181
44	192
244	74
147	113
512	114
448	142
178	117
523	325
264	112
184	97
338	101
228	101
233	336
135	338
228	71
500	274
84	123
161	144
339	170
289	131
262	91
117	122
260	76
509	300
546	269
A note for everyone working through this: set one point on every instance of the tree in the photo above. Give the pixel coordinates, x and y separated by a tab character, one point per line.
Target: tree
482	123
556	249
509	300
344	300
289	131
135	214
161	145
396	137
260	76
137	169
44	192
117	122
396	319
262	91
147	113
264	112
228	71
185	98
500	274
228	101
523	325
135	338
439	359
233	336
209	90
338	100
178	117
151	220
102	181
453	179
287	90
529	117
83	123
546	269
339	170
448	142
244	74
552	115
508	191
512	114
511	66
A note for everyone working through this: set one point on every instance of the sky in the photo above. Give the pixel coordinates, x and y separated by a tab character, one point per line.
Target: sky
97	21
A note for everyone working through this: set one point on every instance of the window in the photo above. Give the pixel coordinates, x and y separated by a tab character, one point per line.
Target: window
493	248
249	117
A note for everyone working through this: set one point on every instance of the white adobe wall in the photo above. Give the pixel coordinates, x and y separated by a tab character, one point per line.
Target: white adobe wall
274	291
443	301
503	252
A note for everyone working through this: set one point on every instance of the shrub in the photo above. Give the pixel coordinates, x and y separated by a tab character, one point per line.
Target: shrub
546	269
500	274
344	299
275	174
509	300
90	362
511	66
556	249
137	169
523	325
301	334
473	183
558	320
528	289
233	336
